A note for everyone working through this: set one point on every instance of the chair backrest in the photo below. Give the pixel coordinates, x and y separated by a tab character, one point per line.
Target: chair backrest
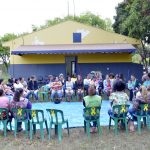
44	88
19	113
120	110
36	115
3	113
56	115
143	109
91	113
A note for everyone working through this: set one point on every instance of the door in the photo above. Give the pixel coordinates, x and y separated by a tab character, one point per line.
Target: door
71	64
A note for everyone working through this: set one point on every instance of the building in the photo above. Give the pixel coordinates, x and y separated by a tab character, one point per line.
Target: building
71	47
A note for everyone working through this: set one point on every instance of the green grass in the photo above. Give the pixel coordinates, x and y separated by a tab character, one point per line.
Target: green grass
78	141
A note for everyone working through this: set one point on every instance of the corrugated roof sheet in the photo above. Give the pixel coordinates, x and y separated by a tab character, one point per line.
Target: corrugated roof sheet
73	49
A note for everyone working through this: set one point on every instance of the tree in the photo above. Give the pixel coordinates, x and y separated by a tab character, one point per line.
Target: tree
5	51
4	55
133	19
85	18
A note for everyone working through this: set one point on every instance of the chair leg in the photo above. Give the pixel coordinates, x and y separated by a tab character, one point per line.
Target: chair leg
88	129
56	129
126	126
26	128
139	124
31	131
59	132
15	130
109	122
34	128
116	126
99	128
41	131
46	126
10	126
67	127
5	129
148	122
49	132
84	126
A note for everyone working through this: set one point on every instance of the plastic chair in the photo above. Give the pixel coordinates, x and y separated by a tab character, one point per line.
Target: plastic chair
119	114
20	115
142	113
57	119
44	93
91	114
37	118
4	118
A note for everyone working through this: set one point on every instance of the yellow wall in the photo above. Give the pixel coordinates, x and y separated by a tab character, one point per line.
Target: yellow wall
37	59
62	34
101	58
82	58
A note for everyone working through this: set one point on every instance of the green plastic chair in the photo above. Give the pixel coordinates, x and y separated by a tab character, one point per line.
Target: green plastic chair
20	115
37	118
4	119
91	114
44	93
119	114
142	113
57	119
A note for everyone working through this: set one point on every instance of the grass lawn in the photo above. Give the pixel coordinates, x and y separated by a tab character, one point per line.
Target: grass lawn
79	141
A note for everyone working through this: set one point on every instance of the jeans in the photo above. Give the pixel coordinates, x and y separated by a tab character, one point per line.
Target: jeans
35	94
59	93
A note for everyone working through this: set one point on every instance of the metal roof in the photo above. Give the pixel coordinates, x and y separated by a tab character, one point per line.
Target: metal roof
73	49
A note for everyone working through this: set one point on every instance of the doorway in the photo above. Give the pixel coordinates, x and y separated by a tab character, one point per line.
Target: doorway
71	64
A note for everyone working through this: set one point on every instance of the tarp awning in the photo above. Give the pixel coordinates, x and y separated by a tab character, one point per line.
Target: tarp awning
73	49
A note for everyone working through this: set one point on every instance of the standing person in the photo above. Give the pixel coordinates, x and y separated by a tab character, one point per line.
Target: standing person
79	87
32	87
135	86
92	100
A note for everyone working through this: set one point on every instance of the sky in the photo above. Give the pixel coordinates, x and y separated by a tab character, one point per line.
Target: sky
18	16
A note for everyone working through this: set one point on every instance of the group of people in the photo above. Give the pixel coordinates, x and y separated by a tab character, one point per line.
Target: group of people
139	94
16	93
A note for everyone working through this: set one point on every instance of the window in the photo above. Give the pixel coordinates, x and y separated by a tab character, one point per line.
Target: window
76	37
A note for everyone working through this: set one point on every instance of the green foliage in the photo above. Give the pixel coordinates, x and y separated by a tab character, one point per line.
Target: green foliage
133	19
85	18
8	37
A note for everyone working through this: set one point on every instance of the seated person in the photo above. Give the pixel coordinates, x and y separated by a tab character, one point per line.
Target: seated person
56	88
107	85
92	100
86	83
69	88
7	90
5	103
32	87
17	84
20	102
118	97
79	87
142	97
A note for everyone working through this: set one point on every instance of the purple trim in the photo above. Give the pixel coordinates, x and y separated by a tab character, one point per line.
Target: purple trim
72	51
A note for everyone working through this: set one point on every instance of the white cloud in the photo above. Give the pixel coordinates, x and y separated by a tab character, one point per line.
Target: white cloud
17	16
